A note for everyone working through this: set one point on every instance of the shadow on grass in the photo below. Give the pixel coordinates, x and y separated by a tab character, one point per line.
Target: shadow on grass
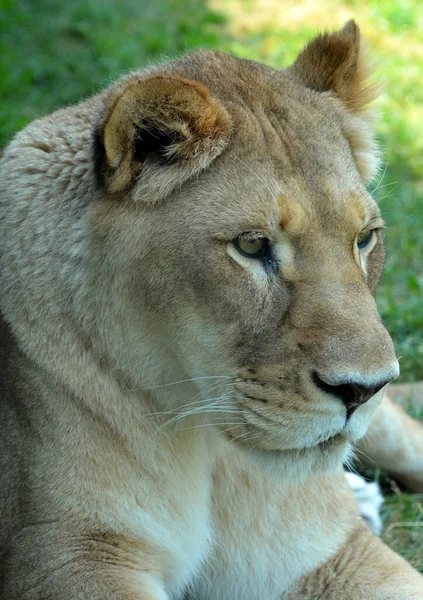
55	53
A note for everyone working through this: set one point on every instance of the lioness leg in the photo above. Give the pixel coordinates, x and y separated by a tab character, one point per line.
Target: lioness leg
394	442
364	569
408	395
44	563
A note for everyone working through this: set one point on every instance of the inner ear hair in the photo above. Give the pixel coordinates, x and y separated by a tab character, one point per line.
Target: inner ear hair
156	143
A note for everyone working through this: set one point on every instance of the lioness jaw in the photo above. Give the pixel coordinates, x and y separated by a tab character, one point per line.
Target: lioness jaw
188	266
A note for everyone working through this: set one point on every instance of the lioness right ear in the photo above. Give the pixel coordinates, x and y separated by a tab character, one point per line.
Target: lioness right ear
156	133
336	62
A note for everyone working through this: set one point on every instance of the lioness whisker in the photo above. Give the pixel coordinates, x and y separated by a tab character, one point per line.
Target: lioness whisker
366	456
195	401
380	179
386	196
247	434
201	402
208	408
387	185
153	387
210	425
180	411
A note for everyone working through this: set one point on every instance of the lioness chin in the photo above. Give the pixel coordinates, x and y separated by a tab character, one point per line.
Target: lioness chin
190	343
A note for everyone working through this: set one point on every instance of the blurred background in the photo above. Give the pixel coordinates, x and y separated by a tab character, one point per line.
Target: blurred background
55	52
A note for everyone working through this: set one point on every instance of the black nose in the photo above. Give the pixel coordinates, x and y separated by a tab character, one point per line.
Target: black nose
352	394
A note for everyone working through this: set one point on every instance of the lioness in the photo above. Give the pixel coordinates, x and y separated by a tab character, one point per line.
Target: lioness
191	344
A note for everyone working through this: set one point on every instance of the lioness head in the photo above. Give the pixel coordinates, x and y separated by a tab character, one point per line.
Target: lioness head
231	241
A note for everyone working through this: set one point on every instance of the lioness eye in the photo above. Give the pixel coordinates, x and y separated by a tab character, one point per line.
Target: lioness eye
364	238
254	248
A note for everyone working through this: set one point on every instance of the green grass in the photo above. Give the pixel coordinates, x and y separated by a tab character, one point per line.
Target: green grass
54	53
402	516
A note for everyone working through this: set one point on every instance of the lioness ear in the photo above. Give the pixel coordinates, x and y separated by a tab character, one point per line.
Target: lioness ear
157	132
337	63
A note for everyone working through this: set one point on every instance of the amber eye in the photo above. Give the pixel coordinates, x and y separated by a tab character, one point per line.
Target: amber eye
364	238
253	248
257	248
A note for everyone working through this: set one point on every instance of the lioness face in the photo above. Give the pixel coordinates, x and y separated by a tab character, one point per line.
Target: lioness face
258	269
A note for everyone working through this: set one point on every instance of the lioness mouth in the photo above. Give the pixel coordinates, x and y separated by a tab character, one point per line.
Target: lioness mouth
338	437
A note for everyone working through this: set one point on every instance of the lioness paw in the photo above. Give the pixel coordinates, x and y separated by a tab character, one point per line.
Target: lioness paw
369	498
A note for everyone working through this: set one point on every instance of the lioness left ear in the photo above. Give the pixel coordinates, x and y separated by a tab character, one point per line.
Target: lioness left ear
336	62
157	132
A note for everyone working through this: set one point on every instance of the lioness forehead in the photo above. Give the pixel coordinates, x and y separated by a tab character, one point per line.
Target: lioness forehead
264	103
295	139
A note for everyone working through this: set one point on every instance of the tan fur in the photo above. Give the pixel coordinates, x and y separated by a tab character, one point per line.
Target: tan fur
362	569
408	395
335	62
394	442
167	431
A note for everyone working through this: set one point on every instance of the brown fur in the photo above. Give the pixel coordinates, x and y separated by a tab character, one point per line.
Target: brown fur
164	431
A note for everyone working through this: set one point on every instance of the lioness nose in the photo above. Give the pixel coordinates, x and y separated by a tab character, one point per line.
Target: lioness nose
352	394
